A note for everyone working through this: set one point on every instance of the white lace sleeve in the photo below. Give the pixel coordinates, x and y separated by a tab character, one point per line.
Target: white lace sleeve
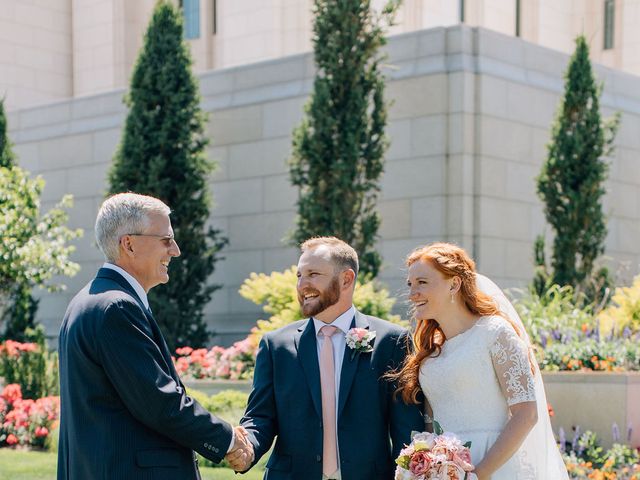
511	364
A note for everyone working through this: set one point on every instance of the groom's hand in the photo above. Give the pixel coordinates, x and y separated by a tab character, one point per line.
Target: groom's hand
241	455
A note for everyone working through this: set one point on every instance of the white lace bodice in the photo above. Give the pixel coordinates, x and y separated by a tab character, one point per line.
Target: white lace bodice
477	376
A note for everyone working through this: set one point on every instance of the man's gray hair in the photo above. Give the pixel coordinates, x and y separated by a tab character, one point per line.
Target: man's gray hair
122	214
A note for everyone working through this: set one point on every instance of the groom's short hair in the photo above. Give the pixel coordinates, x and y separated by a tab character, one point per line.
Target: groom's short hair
341	253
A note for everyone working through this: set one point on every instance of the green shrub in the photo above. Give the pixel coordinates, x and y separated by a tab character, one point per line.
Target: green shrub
625	311
227	404
585	458
30	365
222	402
51	443
277	292
555	309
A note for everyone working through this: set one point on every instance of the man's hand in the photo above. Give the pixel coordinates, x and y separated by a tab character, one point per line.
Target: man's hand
241	455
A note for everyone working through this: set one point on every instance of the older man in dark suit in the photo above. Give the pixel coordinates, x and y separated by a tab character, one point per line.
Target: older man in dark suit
124	411
319	386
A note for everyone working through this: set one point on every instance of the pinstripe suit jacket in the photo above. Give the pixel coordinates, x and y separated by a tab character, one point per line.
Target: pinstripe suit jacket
124	410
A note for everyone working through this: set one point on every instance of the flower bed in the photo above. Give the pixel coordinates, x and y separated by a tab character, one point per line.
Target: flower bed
585	458
234	363
25	421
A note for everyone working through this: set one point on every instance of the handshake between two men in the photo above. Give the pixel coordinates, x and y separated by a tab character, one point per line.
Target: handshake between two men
241	455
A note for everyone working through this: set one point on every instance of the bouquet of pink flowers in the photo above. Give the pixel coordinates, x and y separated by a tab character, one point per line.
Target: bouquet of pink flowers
434	456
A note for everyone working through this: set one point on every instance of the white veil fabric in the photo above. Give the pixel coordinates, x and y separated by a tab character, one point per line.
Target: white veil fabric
539	451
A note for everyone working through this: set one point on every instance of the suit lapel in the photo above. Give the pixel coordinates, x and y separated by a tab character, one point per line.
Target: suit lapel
155	329
349	364
306	345
162	345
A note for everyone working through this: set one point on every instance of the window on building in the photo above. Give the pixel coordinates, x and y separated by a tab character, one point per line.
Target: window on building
191	12
214	13
518	17
609	14
461	9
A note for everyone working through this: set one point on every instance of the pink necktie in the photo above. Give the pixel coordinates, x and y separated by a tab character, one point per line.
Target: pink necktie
328	385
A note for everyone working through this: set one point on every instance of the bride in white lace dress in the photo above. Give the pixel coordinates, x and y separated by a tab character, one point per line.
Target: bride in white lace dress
472	360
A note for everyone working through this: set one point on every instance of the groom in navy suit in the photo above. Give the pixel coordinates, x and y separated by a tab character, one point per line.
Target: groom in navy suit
326	403
124	411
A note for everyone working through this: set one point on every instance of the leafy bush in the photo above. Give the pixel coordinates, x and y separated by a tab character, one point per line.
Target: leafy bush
585	458
34	249
568	337
591	354
553	311
277	292
30	365
227	404
223	402
625	311
26	421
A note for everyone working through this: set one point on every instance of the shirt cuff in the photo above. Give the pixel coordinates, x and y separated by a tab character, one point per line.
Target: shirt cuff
233	440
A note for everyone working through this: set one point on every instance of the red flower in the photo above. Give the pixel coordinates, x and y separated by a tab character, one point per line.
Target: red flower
42	432
12	439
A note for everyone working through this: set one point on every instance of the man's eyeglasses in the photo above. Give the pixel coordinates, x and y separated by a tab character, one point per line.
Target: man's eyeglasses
166	239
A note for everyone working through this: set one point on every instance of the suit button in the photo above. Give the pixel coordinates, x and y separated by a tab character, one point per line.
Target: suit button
206	445
318	458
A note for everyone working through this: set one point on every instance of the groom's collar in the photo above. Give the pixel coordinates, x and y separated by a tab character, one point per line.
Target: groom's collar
343	322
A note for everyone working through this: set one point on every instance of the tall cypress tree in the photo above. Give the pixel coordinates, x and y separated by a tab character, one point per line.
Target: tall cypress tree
338	149
162	153
571	181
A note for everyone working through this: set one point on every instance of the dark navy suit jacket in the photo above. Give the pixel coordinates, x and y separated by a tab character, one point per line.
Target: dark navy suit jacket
124	411
286	403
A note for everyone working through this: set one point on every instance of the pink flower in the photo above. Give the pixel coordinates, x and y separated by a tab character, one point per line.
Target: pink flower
420	462
184	350
42	432
11	439
11	393
462	458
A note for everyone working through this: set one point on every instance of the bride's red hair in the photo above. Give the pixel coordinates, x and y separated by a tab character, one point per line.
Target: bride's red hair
428	338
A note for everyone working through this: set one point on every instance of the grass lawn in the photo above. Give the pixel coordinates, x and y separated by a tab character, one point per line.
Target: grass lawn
25	465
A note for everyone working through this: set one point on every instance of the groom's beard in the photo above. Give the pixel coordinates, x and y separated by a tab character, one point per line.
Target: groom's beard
324	299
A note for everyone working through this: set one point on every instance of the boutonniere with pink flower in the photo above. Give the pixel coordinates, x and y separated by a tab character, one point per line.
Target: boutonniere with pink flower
360	340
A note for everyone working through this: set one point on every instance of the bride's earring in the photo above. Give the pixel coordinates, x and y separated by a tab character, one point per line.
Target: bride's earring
452	299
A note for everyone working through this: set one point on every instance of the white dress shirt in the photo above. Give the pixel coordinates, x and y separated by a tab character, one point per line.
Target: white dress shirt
132	281
343	324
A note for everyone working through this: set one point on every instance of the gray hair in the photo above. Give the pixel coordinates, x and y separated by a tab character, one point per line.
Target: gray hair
122	214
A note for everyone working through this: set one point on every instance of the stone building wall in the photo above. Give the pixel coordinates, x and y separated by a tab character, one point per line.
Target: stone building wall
468	127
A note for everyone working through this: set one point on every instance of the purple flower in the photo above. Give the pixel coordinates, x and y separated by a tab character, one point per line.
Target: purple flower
576	437
563	439
543	340
626	333
615	432
555	334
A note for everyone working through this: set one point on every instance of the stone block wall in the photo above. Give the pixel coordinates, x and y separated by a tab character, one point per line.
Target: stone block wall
470	119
